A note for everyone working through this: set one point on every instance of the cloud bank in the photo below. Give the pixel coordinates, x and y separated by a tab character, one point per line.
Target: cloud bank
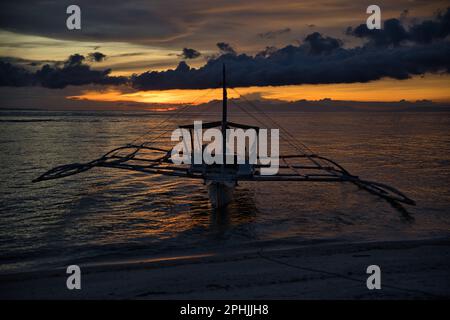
394	33
73	72
396	51
393	51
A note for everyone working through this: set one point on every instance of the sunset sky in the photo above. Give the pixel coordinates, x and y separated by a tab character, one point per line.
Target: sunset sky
284	50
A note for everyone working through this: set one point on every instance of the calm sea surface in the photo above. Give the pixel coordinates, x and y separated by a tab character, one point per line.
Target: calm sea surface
109	214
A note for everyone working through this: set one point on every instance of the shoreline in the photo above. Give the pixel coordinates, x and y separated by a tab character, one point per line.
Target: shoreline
411	269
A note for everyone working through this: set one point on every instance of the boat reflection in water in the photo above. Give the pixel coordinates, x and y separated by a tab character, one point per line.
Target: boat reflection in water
237	218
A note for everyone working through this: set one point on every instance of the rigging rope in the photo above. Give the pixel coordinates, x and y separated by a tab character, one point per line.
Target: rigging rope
294	139
291	139
322	163
175	114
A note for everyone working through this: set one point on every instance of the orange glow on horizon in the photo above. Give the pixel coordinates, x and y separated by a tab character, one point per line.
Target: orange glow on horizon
173	96
430	87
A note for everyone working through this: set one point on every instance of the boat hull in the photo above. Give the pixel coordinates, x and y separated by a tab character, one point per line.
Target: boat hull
220	193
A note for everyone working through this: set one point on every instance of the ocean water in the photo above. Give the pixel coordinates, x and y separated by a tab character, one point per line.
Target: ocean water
108	214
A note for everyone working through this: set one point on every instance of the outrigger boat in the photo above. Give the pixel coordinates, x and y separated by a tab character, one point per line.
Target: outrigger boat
221	179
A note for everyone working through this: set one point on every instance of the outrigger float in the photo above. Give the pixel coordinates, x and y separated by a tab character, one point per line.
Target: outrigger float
221	179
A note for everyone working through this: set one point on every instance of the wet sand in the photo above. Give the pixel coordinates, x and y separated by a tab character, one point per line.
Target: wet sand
417	269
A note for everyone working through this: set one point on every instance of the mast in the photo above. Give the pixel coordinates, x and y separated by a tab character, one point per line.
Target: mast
224	114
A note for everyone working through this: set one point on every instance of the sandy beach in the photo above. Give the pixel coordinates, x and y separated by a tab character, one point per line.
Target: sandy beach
410	270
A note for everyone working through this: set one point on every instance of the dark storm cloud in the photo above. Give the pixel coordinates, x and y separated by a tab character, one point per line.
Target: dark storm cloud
394	33
225	48
188	53
319	44
74	60
14	76
430	30
75	75
296	65
267	51
96	56
273	34
73	72
320	59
